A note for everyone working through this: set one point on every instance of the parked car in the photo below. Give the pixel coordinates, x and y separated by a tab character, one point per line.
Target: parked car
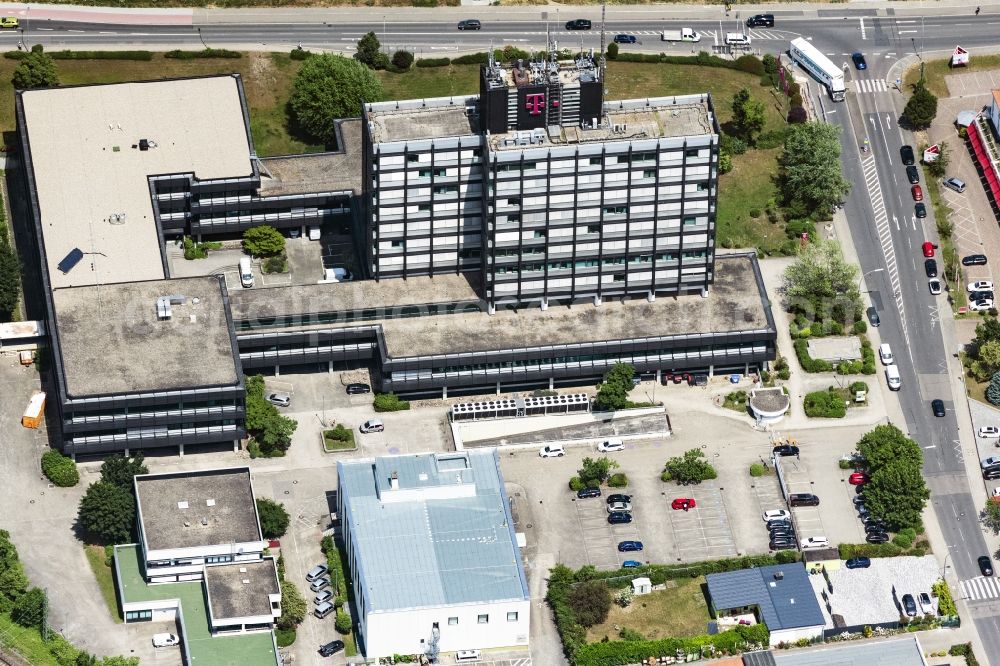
761	21
786	450
358	388
873	316
584	493
279	399
618	497
578	24
985	565
934	286
803	499
920	210
316	572
781	545
619	506
857	479
925	603
684	503
877	537
776	514
629	546
928	248
552	451
912	174
782	533
954	184
992	461
906	153
991	474
372	425
470	24
885	354
779	524
917	193
974	260
619	518
331	648
631	564
319	584
988	431
981	304
980	295
859	60
610	445
981	285
874	528
858	563
625	39
909	605
930	267
165	640
937	406
323	597
815	542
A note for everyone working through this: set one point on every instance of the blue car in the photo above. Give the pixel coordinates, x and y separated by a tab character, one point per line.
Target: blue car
859	60
629	546
631	564
858	563
619	517
584	493
624	39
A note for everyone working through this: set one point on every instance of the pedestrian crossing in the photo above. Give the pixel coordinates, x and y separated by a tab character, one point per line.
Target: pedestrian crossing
716	36
870	85
981	587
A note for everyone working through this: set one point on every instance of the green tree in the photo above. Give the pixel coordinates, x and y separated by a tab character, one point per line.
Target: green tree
612	51
988	355
921	108
273	518
263	241
990	516
10	278
896	493
821	276
29	608
691	467
328	87
342	623
590	601
120	471
35	70
369	49
293	606
993	390
809	169
613	393
939	166
886	444
402	59
597	471
13	583
748	116
108	511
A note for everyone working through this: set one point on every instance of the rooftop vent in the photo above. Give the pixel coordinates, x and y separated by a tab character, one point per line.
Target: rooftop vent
422	476
243	569
791	601
246	581
163	311
187	523
779	575
210	502
394	481
204	521
182	504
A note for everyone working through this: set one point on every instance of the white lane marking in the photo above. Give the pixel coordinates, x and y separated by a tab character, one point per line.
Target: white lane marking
861	20
883	228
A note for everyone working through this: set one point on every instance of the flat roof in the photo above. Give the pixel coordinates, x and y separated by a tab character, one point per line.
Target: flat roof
781	592
112	341
432	118
172	508
249	649
338	171
452	514
895	652
91	177
241	589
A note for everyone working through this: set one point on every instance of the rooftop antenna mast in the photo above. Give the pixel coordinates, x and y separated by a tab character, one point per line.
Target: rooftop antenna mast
604	8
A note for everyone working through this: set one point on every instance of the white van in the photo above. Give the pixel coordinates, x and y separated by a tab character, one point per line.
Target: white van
468	655
737	39
885	354
372	425
892	377
246	272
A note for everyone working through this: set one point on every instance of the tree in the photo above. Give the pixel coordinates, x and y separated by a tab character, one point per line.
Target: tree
748	115
328	87
120	471
263	241
797	114
108	511
990	516
896	493
597	471
809	169
688	468
10	278
993	390
613	393
939	166
273	518
293	606
612	51
823	280
29	609
35	70
369	49
988	358
13	583
590	601
886	444
921	108
402	59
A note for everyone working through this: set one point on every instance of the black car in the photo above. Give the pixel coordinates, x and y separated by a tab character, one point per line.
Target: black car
331	648
877	537
786	450
578	24
618	497
584	493
930	267
920	210
858	563
355	389
778	523
991	473
874	528
859	61
470	24
937	406
912	174
974	260
803	499
761	21
782	545
619	517
906	153
985	565
980	295
873	317
624	39
909	605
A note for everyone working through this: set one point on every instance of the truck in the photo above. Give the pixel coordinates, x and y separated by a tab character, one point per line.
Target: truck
822	68
34	412
682	35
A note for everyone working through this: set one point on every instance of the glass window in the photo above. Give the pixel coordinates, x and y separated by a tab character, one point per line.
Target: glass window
424	173
413	158
512	616
452	621
689	221
484	619
649	173
691	152
596	161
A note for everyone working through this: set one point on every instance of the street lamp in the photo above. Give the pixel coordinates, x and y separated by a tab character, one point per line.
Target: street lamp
862	278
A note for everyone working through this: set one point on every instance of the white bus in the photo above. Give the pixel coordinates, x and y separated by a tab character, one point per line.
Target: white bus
817	64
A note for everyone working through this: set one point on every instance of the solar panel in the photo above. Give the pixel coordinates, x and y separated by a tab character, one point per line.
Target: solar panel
70	260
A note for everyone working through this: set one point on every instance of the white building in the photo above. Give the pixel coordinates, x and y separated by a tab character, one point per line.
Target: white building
432	554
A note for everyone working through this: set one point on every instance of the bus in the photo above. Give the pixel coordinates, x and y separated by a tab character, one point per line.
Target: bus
817	64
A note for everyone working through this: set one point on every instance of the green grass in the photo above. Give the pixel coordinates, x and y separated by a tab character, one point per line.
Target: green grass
744	189
334	444
26	643
431	82
676	612
105	579
936	70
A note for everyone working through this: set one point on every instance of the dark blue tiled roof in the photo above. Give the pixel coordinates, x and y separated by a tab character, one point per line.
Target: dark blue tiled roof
785	603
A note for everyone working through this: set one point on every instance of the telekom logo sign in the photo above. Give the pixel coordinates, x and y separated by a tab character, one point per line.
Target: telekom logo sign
534	103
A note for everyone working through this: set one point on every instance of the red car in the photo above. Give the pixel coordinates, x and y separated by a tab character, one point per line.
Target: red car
928	248
683	503
918	194
858	479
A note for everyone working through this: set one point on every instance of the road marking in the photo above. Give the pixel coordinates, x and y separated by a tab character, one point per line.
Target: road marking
882	227
981	587
871	85
861	20
907	32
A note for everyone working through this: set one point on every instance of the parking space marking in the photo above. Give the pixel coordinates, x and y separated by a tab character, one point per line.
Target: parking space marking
703	531
600	539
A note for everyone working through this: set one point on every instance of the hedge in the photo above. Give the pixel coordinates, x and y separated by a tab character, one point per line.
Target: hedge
824	404
808	363
204	53
472	59
86	55
60	469
619	653
849	550
389	402
433	62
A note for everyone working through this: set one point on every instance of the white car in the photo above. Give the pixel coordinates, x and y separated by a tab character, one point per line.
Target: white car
610	445
981	304
165	640
314	233
885	353
619	506
776	514
551	451
981	285
996	492
815	542
988	431
935	286
989	462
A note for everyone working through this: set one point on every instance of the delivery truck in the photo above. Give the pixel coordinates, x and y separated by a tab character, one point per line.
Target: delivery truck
682	35
35	411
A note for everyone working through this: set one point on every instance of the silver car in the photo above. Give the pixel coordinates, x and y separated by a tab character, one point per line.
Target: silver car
279	399
954	184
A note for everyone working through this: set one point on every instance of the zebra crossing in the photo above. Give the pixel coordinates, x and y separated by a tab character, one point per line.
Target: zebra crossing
871	85
981	587
715	36
883	228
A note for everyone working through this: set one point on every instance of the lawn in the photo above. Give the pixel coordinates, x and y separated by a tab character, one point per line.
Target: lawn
936	70
105	579
24	642
746	190
676	612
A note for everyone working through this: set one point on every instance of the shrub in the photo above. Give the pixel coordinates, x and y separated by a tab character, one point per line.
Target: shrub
612	51
903	541
389	402
60	469
627	634
795	100
277	264
284	637
204	53
785	373
756	469
343	622
946	604
755	212
590	602
688	468
808	363
797	115
845	464
849	550
824	404
751	64
867	357
858	386
471	59
402	59
618	480
576	484
860	327
433	62
299	53
733	145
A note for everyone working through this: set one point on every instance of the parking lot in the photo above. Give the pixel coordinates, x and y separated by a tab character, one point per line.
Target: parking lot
600	539
808	520
704	532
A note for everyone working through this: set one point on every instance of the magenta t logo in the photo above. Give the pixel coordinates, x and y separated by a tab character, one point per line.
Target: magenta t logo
534	103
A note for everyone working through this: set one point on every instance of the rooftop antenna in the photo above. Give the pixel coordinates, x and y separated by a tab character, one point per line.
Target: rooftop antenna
604	8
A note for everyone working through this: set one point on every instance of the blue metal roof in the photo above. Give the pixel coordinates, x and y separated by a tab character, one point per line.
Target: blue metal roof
902	652
443	535
785	603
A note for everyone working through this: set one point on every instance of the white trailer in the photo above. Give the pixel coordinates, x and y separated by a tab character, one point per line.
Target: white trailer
821	67
682	35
